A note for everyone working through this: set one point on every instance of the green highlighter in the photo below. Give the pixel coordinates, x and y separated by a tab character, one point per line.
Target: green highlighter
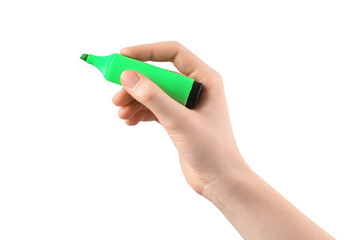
183	89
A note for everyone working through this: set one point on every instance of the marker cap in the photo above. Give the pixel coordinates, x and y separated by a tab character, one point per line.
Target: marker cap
194	95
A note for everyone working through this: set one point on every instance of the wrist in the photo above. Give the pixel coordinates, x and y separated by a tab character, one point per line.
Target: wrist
230	184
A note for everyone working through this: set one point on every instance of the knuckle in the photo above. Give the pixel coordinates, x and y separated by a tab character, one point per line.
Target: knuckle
177	44
217	75
217	79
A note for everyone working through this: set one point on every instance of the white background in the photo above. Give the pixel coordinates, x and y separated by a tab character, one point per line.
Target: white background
71	169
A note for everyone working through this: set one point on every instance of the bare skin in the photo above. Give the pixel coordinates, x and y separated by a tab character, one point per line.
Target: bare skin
208	154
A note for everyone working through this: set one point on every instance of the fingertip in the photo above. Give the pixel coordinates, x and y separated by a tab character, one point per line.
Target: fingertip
120	112
126	112
123	50
129	122
124	74
126	51
122	98
114	100
138	117
129	78
117	99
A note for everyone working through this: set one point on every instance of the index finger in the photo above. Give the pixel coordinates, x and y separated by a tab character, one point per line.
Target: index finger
184	60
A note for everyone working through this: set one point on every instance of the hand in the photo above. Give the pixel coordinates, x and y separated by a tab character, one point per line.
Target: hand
208	154
202	136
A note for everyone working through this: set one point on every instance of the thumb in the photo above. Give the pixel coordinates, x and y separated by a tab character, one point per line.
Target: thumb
166	109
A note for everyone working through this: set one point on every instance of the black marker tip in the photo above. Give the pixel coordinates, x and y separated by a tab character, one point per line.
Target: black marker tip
84	57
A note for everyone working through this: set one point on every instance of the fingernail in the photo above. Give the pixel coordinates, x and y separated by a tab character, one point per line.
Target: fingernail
129	79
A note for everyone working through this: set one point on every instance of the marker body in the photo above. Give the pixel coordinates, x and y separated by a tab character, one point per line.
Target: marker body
181	88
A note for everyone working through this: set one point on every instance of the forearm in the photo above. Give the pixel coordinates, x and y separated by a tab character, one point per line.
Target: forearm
256	210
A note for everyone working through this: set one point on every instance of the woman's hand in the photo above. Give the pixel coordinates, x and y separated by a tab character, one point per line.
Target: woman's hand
202	136
208	154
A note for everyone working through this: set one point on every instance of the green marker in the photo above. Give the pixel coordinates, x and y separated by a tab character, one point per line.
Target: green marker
181	88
